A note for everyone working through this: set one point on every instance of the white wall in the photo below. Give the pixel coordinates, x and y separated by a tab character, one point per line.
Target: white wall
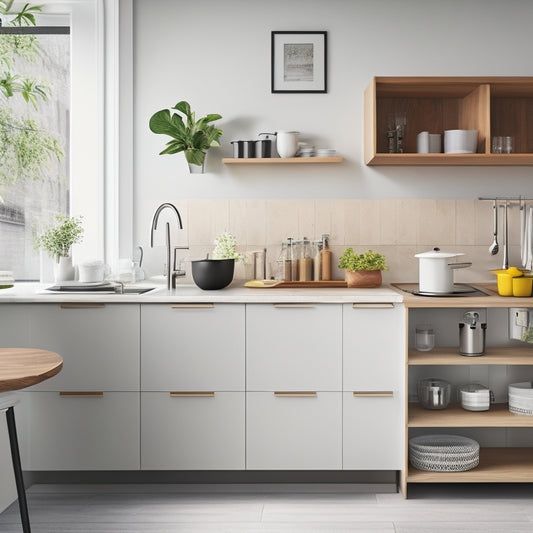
216	55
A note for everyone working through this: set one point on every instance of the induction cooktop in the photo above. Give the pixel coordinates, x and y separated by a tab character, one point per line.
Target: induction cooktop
459	290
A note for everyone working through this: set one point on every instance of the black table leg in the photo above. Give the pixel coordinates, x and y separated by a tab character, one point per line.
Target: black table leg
17	468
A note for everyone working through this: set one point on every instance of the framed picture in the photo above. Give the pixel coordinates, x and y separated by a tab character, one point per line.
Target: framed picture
299	62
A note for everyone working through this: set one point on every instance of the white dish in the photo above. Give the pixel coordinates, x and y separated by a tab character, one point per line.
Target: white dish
82	284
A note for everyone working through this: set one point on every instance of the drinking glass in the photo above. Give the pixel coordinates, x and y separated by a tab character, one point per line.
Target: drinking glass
424	338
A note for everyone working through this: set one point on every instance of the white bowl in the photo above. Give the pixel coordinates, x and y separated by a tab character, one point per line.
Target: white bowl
460	141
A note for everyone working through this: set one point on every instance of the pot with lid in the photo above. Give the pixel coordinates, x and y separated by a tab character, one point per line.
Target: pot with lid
436	271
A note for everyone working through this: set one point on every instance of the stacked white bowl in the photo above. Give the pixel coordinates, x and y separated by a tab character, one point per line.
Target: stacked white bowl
521	398
474	397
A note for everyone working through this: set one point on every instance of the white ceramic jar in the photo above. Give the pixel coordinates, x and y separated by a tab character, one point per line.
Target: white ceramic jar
287	143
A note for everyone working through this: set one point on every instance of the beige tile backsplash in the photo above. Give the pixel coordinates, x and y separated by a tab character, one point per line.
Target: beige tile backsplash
398	228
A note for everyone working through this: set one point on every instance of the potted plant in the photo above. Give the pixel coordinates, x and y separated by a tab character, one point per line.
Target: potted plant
362	270
57	240
217	272
194	137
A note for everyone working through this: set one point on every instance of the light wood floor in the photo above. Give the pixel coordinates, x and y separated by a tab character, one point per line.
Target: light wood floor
227	508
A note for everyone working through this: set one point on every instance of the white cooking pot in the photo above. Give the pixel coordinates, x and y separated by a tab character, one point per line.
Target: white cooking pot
435	273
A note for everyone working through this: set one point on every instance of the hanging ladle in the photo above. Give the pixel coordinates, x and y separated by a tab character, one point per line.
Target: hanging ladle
494	247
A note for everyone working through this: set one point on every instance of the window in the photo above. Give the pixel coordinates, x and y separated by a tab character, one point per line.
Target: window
34	139
85	155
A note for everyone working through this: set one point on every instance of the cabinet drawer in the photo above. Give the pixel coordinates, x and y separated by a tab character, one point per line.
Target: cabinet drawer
192	432
99	345
79	432
294	347
192	347
373	347
290	432
373	426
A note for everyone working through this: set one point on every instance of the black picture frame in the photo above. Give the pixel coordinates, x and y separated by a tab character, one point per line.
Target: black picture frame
299	62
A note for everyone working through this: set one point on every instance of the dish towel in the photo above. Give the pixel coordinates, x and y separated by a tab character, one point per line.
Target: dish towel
528	241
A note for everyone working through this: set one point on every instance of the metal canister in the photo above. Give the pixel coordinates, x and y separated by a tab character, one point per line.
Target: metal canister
472	338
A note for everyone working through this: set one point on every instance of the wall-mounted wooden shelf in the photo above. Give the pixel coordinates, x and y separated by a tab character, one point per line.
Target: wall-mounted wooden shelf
280	160
492	105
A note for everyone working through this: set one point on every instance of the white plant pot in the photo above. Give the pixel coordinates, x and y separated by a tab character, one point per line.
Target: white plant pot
63	270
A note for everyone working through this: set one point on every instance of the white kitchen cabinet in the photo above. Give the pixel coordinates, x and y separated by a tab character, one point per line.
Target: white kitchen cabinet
372	431
99	344
192	431
294	431
293	347
192	404
293	379
192	347
373	385
100	348
373	346
98	432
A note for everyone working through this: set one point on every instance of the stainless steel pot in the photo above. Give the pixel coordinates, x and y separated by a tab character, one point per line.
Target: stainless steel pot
435	273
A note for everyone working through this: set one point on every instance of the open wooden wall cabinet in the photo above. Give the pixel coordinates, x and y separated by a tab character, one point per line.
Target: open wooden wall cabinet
495	106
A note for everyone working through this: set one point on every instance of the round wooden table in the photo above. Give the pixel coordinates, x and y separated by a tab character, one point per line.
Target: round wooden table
20	368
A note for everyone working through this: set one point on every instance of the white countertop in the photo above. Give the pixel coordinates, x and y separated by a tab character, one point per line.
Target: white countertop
235	293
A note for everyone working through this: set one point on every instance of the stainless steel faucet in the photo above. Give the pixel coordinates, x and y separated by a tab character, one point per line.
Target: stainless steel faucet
154	227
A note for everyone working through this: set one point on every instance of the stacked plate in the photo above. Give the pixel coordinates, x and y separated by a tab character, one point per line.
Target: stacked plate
521	398
474	397
326	152
306	150
443	453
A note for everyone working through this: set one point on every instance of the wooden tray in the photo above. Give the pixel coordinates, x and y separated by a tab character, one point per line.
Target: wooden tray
276	284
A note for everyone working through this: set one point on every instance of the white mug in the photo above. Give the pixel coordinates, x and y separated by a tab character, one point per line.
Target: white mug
287	143
91	272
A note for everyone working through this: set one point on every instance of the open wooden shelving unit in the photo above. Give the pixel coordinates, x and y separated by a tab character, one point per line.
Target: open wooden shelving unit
505	465
491	105
496	465
279	160
516	355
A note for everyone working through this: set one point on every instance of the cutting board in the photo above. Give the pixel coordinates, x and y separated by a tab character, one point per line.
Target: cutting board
276	284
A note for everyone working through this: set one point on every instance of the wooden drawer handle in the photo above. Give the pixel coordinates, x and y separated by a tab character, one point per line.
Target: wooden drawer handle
81	393
384	305
373	394
295	394
192	306
192	394
294	306
82	306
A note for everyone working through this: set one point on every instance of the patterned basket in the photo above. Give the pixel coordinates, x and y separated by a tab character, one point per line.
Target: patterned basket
443	453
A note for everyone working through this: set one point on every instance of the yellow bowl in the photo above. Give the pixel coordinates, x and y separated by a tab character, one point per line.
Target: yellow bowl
522	286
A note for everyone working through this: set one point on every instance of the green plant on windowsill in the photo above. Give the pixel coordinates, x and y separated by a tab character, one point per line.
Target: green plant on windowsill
194	137
57	240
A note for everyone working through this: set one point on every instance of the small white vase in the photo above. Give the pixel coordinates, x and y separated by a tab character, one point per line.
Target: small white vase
63	270
287	143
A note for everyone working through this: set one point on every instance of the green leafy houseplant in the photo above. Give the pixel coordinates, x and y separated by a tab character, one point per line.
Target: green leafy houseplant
194	137
58	239
362	270
370	260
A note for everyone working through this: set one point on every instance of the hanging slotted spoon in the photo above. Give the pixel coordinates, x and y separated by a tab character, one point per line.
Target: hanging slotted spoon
494	247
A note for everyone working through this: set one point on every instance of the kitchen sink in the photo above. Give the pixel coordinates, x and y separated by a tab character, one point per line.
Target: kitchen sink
137	290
